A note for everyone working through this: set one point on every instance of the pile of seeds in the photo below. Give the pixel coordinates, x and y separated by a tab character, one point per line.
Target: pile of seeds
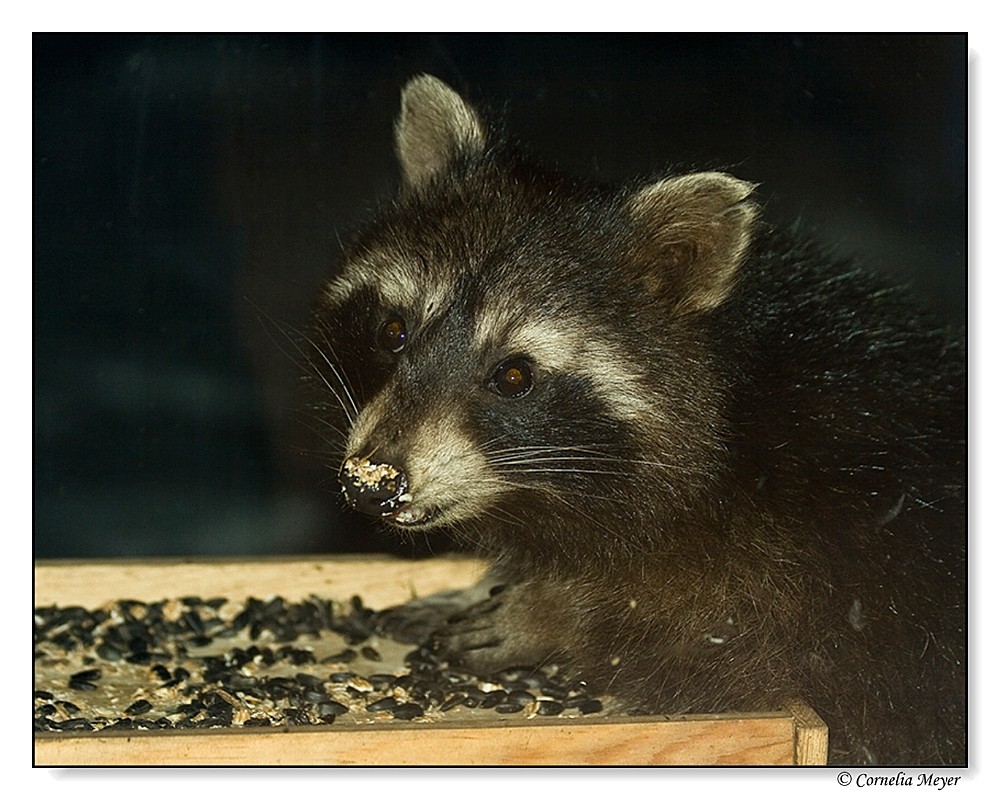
194	663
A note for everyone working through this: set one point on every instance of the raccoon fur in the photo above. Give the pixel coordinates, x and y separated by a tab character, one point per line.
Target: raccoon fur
714	469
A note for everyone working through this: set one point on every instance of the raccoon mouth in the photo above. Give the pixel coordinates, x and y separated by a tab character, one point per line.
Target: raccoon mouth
410	517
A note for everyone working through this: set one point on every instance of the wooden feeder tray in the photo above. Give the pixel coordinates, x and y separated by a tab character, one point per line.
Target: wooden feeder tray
101	700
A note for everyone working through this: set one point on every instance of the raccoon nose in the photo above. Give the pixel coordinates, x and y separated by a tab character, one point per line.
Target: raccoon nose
373	489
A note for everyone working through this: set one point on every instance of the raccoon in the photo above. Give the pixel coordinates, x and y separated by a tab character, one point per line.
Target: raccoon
713	467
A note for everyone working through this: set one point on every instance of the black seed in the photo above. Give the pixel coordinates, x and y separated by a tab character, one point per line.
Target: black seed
493	699
83	686
340	677
273	607
385	704
216	602
407	711
371	653
67	706
109	652
44	711
314	696
296	716
509	708
237	657
527	681
331	709
434	696
453	702
296	655
160	672
138	658
139	707
549	708
256	722
191	600
304	678
190	709
76	724
421	656
401	681
43	695
86	675
181	674
240	683
520	696
343	657
381	680
193	621
241	620
590	707
201	641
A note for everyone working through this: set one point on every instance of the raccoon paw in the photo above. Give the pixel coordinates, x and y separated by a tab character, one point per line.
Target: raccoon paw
416	621
471	638
490	636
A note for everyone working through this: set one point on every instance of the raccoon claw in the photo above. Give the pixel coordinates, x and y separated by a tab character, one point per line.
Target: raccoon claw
416	621
473	638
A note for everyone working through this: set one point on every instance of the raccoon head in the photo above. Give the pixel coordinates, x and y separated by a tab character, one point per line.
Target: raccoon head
510	344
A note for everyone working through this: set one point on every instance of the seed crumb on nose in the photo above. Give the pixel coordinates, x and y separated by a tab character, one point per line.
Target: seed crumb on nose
364	473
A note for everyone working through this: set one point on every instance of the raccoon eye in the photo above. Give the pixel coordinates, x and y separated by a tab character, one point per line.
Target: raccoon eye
392	335
512	378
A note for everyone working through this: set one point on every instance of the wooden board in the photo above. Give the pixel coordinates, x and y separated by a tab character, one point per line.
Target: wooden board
697	740
381	582
792	736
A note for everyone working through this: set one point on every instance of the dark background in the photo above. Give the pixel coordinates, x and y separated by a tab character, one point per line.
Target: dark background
189	192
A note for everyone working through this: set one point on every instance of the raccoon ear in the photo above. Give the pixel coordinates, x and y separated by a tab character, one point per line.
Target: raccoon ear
434	127
695	231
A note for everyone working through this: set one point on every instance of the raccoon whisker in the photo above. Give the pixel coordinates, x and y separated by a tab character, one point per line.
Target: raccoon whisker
463	535
516	455
545	449
331	441
556	494
324	421
570	471
343	383
502	515
342	374
586	459
287	332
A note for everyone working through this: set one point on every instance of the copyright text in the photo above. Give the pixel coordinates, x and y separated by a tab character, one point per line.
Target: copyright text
929	779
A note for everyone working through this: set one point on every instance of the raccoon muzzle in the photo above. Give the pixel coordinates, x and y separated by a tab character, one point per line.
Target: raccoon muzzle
381	490
373	489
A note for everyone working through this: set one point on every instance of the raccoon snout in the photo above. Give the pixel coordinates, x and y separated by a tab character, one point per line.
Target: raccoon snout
374	489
